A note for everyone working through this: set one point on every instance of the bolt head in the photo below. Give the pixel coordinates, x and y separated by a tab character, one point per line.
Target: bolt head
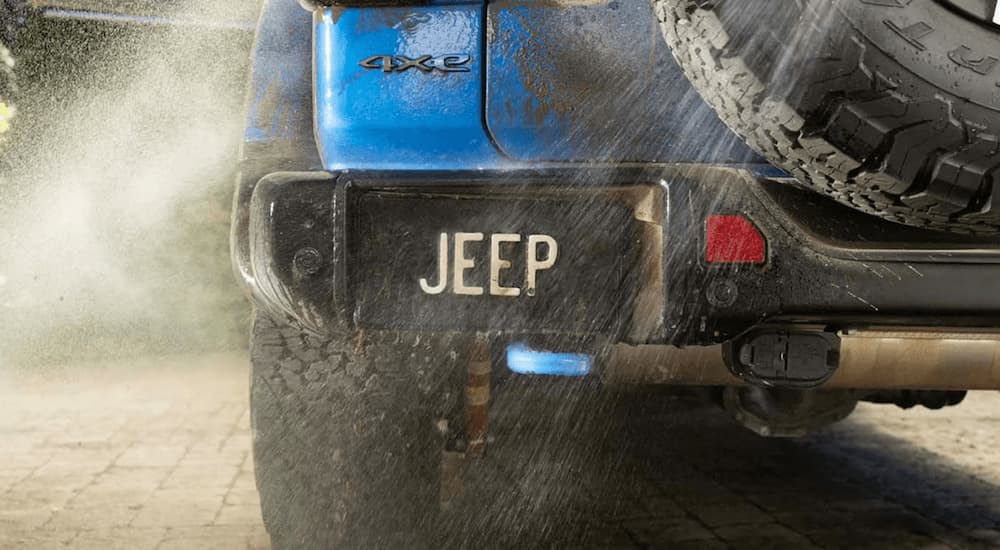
308	261
722	293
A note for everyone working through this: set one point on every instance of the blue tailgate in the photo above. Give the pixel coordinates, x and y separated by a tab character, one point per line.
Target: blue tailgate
455	85
594	81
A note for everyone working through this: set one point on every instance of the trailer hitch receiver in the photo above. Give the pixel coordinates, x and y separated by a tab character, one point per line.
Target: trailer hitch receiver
784	359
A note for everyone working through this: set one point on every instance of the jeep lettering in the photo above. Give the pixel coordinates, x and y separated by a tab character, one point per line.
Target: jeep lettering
461	263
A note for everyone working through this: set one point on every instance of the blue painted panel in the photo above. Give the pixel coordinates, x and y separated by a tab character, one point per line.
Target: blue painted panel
410	119
280	96
595	83
563	84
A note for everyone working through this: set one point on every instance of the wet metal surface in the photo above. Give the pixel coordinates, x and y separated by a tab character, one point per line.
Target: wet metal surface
154	453
562	88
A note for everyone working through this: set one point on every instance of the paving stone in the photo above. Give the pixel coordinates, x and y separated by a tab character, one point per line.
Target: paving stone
245	479
656	532
16	535
201	476
241	514
242	495
18	502
216	536
213	531
601	535
106	494
769	535
812	519
660	508
214	457
37	540
704	544
26	518
29	459
159	458
133	475
129	538
150	456
180	507
10	478
93	515
203	543
990	536
848	539
259	540
55	489
731	513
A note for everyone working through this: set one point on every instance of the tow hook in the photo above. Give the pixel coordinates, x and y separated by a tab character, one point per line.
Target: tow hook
786	359
477	398
471	442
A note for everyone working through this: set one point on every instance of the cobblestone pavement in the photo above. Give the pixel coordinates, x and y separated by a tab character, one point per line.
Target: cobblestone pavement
155	454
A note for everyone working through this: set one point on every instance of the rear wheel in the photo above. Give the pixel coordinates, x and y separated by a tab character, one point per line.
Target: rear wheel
890	107
347	434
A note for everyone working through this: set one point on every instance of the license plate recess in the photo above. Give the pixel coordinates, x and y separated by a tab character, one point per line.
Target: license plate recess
394	240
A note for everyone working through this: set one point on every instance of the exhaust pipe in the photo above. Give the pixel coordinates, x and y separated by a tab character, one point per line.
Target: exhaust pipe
869	359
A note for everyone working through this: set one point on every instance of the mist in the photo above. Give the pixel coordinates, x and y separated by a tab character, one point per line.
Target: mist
117	188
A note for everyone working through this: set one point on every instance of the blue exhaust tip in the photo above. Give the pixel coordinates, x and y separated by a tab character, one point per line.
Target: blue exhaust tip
524	360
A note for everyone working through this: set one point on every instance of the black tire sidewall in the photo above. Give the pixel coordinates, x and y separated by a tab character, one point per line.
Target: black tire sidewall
942	58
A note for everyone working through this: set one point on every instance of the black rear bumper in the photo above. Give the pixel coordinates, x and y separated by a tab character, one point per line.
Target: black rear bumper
327	249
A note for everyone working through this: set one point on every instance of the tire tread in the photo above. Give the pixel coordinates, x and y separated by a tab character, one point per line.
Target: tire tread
847	134
346	445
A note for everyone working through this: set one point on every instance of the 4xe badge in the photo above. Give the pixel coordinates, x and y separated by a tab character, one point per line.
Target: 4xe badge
449	63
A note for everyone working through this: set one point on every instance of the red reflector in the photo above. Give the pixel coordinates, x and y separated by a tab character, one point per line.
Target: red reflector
733	239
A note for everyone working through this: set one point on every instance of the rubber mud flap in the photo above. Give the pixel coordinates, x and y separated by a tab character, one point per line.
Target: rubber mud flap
892	108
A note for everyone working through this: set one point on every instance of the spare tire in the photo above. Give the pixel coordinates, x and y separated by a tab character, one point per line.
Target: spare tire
888	106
